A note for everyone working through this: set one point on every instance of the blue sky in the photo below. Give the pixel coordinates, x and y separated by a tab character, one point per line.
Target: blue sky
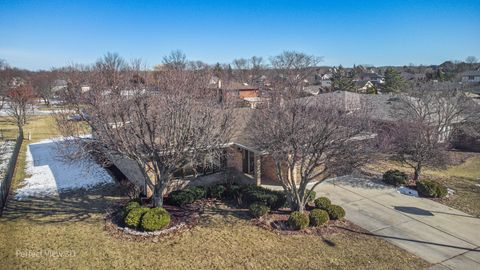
42	34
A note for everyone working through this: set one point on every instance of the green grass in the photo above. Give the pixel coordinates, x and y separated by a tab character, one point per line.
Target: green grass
74	223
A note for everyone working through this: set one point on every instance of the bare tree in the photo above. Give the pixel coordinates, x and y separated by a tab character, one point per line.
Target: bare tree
249	70
471	60
110	68
292	69
162	130
20	99
175	60
310	139
425	119
43	83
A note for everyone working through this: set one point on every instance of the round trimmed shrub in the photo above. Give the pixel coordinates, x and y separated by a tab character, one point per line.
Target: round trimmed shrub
335	212
258	210
298	220
128	207
134	217
311	195
216	191
181	197
318	217
431	189
395	178
322	203
155	219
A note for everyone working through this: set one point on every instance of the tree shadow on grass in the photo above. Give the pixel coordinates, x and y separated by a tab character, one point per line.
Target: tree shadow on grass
69	206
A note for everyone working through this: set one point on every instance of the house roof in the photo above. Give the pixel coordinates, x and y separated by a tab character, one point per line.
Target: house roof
471	73
240	132
361	84
238	86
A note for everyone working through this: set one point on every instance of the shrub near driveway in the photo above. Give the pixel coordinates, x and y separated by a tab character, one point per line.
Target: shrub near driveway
395	178
318	217
298	220
431	189
323	203
335	212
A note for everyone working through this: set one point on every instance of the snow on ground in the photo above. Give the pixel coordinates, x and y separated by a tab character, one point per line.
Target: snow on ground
51	174
408	191
6	149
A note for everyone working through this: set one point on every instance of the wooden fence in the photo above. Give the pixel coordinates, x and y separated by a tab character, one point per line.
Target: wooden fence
6	181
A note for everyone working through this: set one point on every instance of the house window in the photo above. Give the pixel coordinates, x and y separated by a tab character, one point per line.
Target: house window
248	159
471	78
209	166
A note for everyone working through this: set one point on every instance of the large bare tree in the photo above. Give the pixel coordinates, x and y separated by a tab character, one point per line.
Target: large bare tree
162	128
316	137
292	69
425	119
310	139
20	101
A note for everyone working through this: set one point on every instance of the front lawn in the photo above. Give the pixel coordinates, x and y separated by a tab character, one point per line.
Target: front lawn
223	239
73	225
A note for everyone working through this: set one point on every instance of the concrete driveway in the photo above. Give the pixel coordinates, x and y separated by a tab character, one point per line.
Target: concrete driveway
446	237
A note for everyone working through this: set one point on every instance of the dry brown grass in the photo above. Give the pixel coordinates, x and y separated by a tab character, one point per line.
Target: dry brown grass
223	240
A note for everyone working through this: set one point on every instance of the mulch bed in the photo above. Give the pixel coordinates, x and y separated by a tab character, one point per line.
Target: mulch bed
182	219
276	221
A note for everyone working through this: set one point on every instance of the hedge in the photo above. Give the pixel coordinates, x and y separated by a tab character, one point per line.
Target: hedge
255	194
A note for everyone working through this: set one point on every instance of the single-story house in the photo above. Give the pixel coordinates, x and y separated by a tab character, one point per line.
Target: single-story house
472	76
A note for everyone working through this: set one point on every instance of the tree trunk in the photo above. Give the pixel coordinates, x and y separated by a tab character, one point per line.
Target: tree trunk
158	190
416	174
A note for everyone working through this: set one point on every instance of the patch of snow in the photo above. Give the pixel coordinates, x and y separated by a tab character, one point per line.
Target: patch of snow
6	149
51	174
478	185
407	191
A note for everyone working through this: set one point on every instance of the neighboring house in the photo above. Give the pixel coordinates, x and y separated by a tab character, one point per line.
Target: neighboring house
323	80
413	76
372	77
472	76
363	86
59	85
235	91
